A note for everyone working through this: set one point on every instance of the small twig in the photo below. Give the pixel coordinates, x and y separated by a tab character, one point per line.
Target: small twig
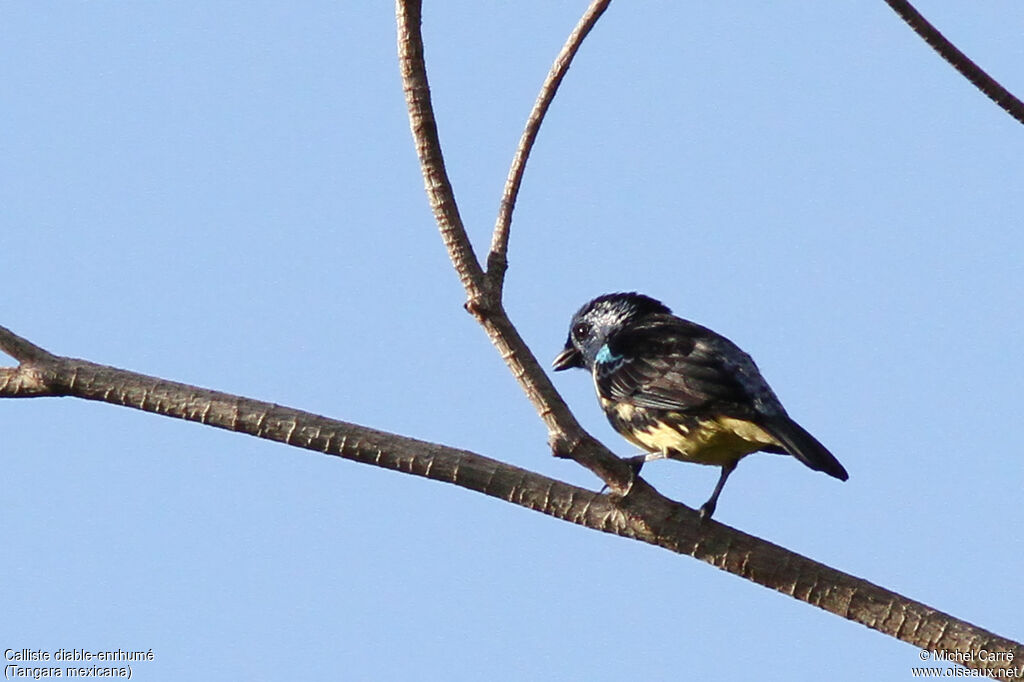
21	349
497	261
961	62
25	380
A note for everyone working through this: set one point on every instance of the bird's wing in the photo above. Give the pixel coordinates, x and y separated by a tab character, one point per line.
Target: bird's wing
669	363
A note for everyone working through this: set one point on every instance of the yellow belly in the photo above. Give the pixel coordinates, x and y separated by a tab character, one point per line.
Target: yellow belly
711	440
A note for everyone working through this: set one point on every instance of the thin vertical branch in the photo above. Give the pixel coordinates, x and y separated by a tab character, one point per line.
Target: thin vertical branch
428	148
497	261
961	62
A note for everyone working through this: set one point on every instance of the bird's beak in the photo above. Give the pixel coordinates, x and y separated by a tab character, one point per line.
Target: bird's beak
570	357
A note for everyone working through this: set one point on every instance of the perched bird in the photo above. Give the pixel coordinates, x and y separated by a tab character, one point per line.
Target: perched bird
682	391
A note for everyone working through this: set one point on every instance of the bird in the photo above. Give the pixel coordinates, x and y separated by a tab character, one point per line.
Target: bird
682	391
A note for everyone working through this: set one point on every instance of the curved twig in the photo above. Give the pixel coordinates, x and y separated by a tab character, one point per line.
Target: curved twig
643	515
428	148
961	62
497	260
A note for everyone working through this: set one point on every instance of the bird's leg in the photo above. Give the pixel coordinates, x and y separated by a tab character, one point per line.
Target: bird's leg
636	462
708	508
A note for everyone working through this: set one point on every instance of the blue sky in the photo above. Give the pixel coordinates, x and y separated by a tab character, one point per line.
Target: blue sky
226	194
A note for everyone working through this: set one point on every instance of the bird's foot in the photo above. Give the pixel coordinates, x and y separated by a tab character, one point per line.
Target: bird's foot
707	509
635	464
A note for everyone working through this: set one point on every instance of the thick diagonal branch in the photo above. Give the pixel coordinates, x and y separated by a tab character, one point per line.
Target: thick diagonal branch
643	515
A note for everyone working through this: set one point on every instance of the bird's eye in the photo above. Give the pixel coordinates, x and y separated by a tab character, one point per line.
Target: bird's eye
580	330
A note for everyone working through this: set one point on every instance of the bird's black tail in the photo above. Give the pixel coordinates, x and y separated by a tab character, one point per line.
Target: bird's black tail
805	447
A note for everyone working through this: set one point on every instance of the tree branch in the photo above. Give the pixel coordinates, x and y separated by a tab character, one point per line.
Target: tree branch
567	437
22	350
497	260
961	62
428	149
642	515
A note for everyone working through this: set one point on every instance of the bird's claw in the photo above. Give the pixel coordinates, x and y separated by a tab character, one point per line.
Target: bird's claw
635	464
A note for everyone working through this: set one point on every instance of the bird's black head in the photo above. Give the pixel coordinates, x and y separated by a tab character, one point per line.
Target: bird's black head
597	320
